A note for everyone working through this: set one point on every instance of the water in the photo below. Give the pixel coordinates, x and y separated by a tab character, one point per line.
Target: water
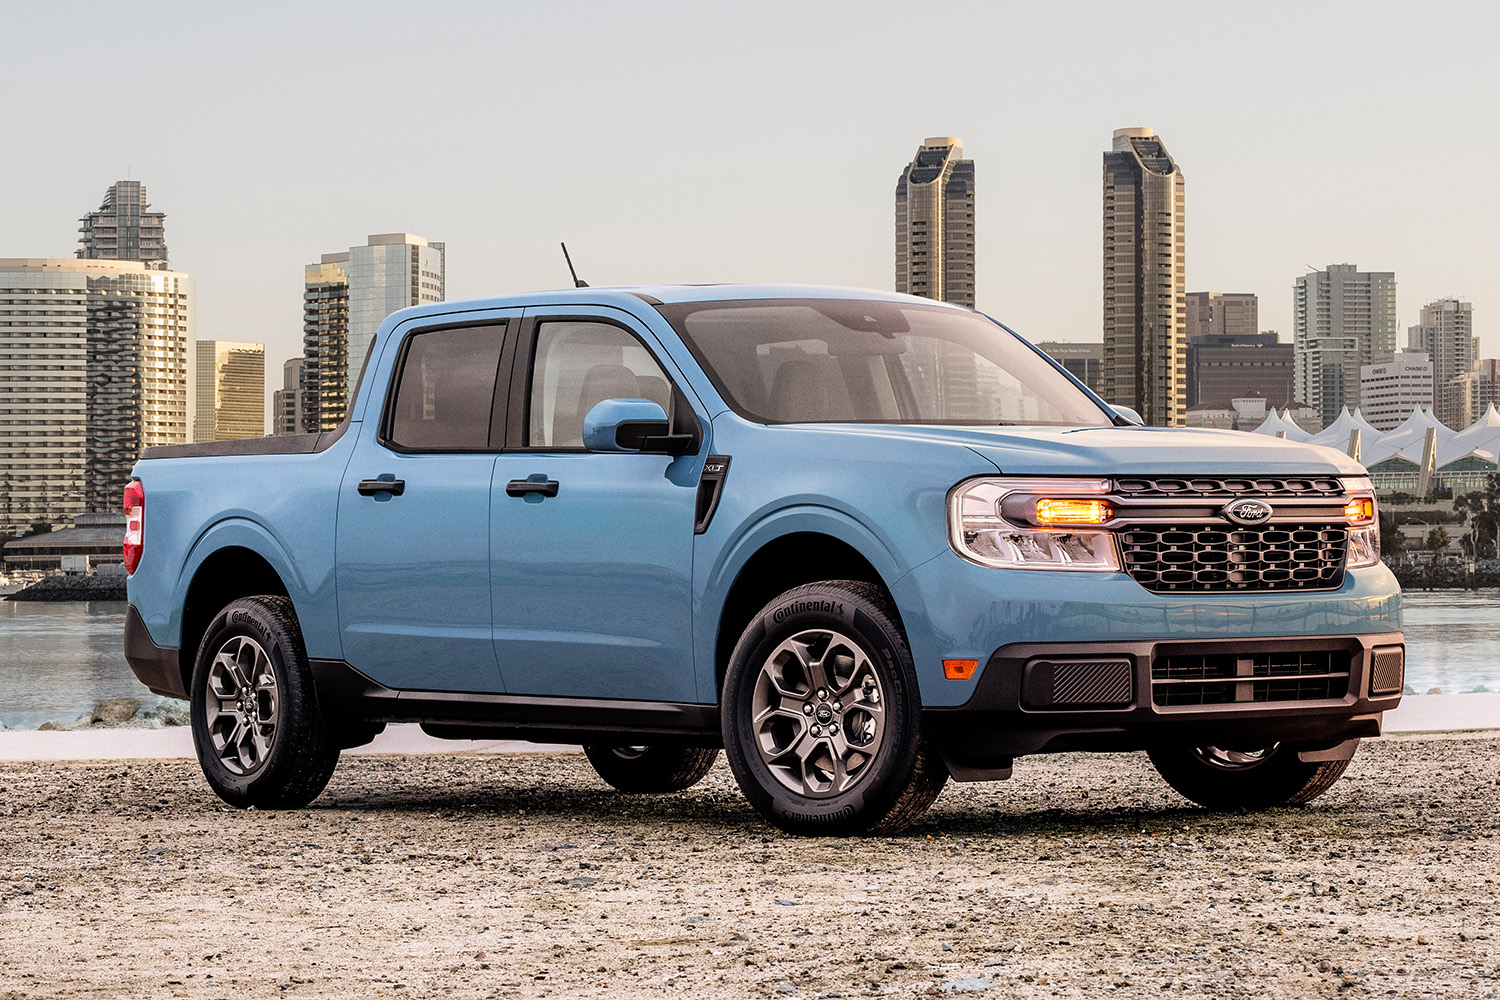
1452	639
57	660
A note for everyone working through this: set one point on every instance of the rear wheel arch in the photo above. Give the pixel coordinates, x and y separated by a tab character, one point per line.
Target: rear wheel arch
226	575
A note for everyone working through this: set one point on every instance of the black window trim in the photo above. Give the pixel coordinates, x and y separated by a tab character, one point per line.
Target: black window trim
517	424
507	327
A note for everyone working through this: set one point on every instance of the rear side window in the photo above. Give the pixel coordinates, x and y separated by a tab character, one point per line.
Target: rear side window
446	390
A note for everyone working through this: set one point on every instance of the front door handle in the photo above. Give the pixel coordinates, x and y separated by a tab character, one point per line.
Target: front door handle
522	487
370	487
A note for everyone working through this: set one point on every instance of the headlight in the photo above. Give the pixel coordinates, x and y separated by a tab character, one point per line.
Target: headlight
1364	524
1033	524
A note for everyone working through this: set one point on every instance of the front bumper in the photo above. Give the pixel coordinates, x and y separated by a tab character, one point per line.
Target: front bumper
1133	695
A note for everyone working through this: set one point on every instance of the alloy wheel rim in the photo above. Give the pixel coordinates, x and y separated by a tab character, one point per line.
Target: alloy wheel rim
818	713
242	705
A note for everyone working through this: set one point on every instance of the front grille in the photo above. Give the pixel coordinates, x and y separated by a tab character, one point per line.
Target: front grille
1196	557
1259	486
1228	678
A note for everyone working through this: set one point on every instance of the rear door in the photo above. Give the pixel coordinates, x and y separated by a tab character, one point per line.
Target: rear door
413	571
591	573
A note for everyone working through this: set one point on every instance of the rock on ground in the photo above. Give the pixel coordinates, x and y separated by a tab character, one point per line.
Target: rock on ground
525	876
113	711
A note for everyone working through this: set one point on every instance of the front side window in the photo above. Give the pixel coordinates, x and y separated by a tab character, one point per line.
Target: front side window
446	390
578	365
848	361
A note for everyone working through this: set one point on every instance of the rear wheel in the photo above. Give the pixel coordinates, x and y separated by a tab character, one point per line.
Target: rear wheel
1256	778
821	715
651	768
256	727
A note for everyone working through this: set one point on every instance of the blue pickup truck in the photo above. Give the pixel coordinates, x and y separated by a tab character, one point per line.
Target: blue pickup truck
863	542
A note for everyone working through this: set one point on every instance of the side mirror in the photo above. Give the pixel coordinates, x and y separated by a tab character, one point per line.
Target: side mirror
1129	415
627	425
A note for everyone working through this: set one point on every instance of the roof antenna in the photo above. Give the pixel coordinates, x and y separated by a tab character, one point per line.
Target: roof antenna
576	282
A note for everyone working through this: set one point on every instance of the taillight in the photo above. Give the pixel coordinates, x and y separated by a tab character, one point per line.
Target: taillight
135	516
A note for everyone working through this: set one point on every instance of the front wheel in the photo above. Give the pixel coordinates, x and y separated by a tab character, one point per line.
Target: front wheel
822	718
1255	778
256	727
651	768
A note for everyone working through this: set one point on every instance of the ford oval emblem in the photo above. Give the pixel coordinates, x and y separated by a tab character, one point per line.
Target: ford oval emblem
1248	511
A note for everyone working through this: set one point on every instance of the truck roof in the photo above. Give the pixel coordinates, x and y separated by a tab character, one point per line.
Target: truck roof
630	295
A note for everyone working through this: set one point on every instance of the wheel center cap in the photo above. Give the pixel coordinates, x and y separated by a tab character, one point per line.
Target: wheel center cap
825	714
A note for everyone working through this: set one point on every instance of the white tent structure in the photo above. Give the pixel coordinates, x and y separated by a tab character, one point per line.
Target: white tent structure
1336	434
1281	425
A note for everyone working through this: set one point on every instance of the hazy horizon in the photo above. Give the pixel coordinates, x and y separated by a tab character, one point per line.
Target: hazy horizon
672	142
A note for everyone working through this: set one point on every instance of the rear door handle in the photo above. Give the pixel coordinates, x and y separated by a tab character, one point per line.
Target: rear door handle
370	487
521	487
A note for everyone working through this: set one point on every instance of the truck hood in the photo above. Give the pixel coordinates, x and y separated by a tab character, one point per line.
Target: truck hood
1125	451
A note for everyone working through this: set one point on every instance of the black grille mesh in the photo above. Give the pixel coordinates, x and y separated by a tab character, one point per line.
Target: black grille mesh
1387	668
1184	557
1081	683
1225	678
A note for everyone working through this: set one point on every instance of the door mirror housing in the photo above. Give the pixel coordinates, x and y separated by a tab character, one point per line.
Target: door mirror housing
631	425
1126	415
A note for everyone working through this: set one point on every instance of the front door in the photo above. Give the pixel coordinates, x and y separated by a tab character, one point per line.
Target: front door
591	568
413	570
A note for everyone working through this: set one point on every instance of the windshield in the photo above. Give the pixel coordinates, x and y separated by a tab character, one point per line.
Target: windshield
846	361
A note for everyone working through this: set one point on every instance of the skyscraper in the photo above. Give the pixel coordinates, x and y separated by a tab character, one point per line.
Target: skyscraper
286	402
325	343
231	391
935	223
1222	314
96	362
1145	286
123	229
1345	319
345	298
1390	390
1446	335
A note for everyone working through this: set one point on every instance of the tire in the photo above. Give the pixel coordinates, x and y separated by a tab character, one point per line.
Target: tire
651	768
829	751
1252	779
260	739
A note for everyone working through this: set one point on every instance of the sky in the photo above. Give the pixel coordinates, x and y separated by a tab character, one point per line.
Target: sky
697	141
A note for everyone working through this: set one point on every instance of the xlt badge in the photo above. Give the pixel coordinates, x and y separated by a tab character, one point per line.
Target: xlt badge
1248	511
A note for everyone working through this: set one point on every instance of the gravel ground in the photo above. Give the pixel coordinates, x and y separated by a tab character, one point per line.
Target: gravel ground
525	876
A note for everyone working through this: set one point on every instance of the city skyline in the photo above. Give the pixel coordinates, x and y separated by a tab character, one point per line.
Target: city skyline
258	186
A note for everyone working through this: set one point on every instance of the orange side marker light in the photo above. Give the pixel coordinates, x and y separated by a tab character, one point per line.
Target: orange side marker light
959	670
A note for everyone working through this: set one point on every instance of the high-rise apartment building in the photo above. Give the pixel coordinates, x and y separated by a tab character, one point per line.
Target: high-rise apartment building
935	223
1390	390
43	393
345	298
1223	367
123	229
231	391
1222	314
1467	397
286	402
1081	360
1145	286
1345	319
95	370
1446	335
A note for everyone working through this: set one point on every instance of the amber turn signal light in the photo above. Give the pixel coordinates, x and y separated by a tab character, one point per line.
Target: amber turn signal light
1073	511
959	670
1360	509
